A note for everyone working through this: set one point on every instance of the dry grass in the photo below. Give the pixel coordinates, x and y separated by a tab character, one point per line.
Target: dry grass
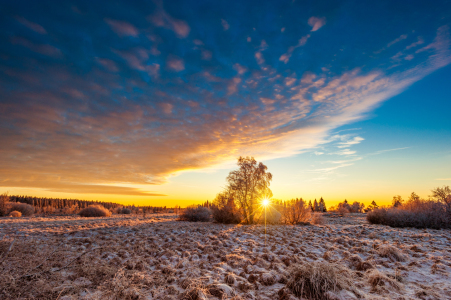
132	257
391	252
314	280
377	279
95	211
318	219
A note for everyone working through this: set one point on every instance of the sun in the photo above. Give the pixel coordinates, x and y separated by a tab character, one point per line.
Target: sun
265	202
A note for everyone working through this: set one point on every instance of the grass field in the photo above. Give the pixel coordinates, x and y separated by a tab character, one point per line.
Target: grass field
157	257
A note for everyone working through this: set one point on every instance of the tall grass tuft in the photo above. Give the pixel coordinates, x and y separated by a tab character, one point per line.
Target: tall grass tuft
316	279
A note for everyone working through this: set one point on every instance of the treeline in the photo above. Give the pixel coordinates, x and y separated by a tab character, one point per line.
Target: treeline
43	205
434	212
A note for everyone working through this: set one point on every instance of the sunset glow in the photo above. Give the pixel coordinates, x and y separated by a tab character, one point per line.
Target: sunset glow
151	103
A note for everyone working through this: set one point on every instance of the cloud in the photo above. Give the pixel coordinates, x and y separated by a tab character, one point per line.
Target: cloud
44	49
316	23
225	25
67	187
286	57
445	179
108	64
415	44
400	38
122	28
239	68
175	63
161	19
387	150
354	141
33	26
233	86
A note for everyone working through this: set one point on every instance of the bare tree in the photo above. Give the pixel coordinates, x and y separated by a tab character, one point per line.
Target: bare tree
443	194
249	184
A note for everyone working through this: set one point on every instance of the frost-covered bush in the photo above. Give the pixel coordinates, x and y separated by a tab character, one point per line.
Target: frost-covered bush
95	211
318	219
195	214
226	215
25	209
15	214
421	214
295	211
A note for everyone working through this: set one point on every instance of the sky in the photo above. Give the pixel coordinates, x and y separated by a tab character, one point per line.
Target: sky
152	102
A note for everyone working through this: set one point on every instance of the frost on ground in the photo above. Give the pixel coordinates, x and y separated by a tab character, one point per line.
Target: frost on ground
129	257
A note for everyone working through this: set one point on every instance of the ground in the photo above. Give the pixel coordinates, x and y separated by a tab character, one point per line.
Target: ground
157	257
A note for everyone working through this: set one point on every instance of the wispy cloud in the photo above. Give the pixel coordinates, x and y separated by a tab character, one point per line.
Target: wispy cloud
387	150
225	25
286	57
122	28
162	19
316	23
31	25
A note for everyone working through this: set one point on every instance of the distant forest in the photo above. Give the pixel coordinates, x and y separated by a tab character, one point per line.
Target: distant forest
53	205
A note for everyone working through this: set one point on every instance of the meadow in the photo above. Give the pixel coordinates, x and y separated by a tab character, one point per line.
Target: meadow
157	257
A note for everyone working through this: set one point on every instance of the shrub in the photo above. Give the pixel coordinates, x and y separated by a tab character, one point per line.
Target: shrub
126	211
226	215
295	211
316	279
25	209
417	214
95	211
122	211
195	214
318	219
15	214
69	210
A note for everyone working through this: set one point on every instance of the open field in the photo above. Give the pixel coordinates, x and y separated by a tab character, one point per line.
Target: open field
129	257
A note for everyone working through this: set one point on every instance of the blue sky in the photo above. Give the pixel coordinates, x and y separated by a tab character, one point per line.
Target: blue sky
155	100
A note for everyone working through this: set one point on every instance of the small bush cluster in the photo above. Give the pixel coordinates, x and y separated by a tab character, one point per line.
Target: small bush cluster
15	214
295	211
431	217
226	215
95	211
195	214
416	212
25	209
318	219
123	211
